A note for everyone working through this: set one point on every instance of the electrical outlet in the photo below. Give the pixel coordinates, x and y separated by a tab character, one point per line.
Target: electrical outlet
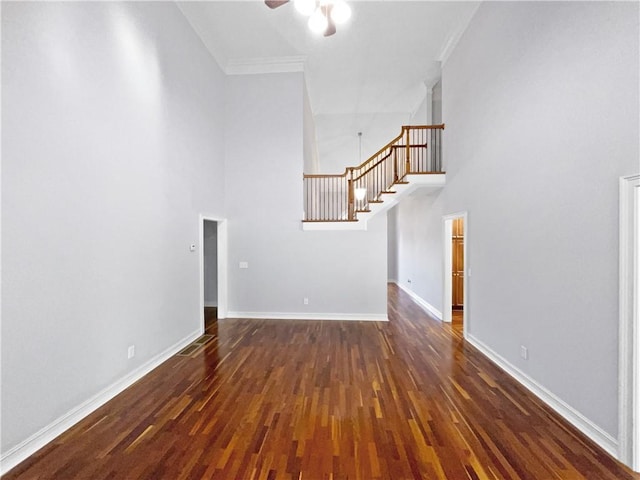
524	352
305	301
131	351
244	265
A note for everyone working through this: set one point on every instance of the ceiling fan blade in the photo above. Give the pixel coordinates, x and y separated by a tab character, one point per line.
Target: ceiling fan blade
331	26
275	3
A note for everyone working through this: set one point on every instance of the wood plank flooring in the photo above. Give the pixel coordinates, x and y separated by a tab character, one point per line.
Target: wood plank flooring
268	399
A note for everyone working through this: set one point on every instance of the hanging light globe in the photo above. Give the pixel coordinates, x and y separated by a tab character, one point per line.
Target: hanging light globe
341	12
318	23
305	7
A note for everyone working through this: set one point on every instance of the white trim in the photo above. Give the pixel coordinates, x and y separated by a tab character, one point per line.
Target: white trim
447	267
430	309
35	442
447	232
364	317
629	326
452	40
252	66
247	66
590	429
586	426
223	282
322	226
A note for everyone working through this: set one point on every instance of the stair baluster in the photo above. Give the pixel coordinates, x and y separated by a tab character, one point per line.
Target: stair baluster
332	198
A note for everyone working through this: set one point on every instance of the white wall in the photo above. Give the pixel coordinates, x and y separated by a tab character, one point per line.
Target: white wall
336	271
418	238
338	142
407	238
422	113
310	143
541	106
210	266
112	144
437	103
392	244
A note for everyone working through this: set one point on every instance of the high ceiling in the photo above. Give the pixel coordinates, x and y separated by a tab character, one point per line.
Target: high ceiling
374	68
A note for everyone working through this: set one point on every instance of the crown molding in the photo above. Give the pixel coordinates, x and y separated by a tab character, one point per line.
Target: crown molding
252	66
242	66
454	37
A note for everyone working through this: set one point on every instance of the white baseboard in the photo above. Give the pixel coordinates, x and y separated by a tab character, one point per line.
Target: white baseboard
363	317
35	442
430	309
586	426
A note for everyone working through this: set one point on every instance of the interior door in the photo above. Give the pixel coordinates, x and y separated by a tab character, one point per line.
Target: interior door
457	270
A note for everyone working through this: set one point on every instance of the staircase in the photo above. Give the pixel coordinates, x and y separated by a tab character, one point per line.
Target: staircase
345	202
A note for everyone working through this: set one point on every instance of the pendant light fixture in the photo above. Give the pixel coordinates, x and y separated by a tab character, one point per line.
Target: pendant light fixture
323	15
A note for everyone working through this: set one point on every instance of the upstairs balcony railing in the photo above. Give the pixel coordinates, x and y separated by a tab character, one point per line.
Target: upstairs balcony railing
339	198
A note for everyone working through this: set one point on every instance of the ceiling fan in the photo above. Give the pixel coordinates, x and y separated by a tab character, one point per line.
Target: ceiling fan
323	14
275	3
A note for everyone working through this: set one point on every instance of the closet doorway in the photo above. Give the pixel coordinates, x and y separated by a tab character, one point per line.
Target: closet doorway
213	270
210	271
455	272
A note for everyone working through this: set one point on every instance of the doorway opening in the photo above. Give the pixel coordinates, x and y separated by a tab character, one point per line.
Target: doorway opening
629	334
457	271
210	266
213	268
455	303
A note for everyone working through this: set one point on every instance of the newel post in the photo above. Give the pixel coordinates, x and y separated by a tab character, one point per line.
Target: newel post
408	153
351	195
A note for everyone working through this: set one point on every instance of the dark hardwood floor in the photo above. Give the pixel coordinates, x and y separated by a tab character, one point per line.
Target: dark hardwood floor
210	316
456	320
267	399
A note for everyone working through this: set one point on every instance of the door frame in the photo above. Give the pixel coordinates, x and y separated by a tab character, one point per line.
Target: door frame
222	248
629	325
447	288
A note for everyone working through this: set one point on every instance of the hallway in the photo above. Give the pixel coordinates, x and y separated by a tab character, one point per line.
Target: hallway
273	399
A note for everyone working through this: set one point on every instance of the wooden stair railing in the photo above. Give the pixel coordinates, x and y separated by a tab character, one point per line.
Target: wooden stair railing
332	198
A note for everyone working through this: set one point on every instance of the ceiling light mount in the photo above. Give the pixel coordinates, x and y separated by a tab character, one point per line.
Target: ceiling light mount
323	14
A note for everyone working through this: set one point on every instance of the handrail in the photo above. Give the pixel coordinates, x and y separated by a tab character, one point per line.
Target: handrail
325	175
391	145
425	127
384	158
404	127
388	145
331	197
